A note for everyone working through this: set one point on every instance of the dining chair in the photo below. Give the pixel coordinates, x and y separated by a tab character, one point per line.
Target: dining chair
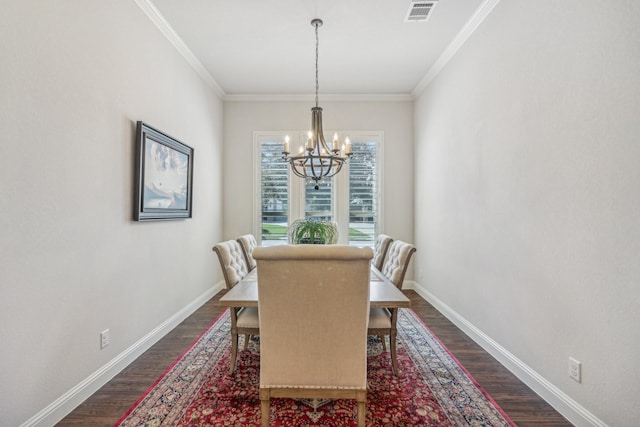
380	250
314	305
248	243
244	320
382	321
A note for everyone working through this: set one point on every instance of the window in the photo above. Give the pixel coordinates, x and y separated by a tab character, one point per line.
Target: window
363	194
318	203
351	198
274	194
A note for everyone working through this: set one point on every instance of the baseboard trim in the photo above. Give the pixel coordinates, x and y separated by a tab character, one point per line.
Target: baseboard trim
560	401
66	403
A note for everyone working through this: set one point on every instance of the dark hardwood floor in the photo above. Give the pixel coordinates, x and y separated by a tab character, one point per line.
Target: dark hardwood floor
106	406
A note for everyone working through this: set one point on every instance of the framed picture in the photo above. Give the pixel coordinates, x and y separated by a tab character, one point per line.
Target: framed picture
164	176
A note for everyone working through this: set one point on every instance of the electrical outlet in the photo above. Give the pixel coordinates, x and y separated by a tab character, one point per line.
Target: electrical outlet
575	369
104	338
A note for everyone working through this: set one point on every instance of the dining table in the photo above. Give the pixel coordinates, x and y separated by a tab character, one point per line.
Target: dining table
382	292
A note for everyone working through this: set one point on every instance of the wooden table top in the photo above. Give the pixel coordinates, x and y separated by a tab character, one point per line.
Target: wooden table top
382	293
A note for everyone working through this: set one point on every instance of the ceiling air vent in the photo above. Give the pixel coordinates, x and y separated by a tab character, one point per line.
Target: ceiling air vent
419	11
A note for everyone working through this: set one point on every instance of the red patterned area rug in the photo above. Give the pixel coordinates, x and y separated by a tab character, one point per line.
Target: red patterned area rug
432	389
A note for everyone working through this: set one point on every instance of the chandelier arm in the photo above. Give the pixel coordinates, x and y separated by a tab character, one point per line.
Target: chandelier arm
338	168
316	126
316	175
299	168
326	166
327	172
295	170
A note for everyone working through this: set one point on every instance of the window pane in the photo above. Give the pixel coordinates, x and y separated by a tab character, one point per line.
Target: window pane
274	182
318	202
362	194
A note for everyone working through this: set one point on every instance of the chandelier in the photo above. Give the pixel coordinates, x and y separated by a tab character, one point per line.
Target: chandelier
316	160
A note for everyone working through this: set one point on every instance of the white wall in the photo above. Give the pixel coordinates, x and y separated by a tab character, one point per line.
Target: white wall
395	119
75	76
527	199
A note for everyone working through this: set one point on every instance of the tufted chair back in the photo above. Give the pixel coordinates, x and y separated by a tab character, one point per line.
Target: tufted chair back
397	260
244	320
380	250
248	243
314	310
232	261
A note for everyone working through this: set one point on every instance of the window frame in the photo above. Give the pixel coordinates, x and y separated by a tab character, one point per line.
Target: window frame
296	188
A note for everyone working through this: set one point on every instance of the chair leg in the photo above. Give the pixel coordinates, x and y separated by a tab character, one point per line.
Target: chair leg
362	410
265	407
394	359
234	352
384	342
392	340
246	341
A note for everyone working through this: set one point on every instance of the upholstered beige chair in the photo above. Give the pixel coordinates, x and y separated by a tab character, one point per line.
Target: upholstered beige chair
248	243
244	320
380	250
314	308
382	321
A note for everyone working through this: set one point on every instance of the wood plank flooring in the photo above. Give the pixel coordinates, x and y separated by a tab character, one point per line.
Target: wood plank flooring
106	406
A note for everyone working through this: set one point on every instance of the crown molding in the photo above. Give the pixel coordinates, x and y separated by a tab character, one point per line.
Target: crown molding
167	30
311	97
469	28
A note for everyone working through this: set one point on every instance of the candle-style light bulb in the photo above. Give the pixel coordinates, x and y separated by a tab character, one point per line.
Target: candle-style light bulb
310	141
335	141
286	144
348	149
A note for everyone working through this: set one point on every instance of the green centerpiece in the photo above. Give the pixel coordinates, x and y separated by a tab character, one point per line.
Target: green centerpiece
313	231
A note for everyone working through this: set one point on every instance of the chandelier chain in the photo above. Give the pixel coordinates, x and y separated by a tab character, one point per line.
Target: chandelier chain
317	84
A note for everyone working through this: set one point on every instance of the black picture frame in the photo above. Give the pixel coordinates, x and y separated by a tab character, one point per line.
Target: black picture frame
164	176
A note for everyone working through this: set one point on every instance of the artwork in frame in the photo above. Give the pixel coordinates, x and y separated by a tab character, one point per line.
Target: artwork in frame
164	176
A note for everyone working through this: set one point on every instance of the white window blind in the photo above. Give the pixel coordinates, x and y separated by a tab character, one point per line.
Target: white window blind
363	194
274	194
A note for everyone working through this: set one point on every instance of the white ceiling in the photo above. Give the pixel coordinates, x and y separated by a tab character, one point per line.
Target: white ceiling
266	48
